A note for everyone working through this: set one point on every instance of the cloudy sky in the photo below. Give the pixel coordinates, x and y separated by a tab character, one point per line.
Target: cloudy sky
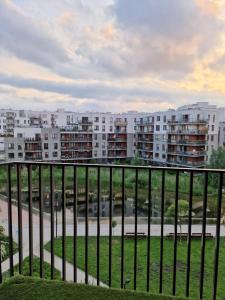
111	55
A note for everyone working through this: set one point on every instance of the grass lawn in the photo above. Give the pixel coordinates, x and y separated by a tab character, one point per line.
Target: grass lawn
36	269
31	288
154	266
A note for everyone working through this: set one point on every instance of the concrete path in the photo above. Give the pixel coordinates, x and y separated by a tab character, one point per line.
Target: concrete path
36	243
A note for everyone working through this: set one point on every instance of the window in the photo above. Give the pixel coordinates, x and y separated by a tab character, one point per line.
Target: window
156	155
103	128
103	120
96	127
96	119
96	145
55	136
55	146
95	137
164	119
104	136
55	154
11	146
164	127
157	147
20	154
164	156
158	118
212	127
46	146
157	128
19	135
103	153
214	117
111	128
46	136
212	138
46	154
19	147
163	147
11	155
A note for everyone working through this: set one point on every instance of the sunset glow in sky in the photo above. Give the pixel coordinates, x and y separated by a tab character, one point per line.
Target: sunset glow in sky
111	55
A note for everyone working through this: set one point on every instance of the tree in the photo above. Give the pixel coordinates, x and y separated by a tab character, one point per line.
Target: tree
181	213
136	161
217	161
114	224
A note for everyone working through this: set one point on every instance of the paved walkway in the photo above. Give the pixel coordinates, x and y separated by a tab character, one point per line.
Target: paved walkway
36	244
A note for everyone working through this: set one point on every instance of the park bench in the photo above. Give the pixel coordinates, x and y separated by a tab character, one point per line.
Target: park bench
131	235
193	235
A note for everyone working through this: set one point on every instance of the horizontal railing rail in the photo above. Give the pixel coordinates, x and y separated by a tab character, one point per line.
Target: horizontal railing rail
116	192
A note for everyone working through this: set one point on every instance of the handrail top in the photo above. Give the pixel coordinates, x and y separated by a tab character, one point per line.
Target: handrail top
114	166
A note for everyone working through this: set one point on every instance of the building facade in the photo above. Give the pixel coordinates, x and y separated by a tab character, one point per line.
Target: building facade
182	137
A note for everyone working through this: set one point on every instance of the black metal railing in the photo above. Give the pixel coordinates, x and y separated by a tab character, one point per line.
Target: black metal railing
16	177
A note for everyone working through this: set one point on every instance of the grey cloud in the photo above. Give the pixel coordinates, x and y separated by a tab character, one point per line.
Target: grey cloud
25	39
163	37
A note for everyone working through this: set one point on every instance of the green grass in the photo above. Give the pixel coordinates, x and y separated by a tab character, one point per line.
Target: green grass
155	264
36	269
28	288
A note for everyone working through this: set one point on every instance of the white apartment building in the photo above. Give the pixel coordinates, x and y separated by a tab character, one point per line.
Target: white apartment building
183	137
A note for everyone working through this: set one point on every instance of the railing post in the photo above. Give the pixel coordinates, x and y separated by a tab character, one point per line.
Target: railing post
217	246
175	234
149	226
75	224
52	222
162	233
205	197
30	212
41	221
63	225
189	235
10	221
86	224
122	229
110	225
20	225
98	222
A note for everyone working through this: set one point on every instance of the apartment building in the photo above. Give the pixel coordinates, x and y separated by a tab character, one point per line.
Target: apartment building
69	136
182	137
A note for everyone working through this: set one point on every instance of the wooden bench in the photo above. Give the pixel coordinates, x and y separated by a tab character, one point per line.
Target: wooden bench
193	235
131	235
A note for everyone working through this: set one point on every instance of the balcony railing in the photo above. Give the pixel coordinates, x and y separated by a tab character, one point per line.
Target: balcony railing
154	190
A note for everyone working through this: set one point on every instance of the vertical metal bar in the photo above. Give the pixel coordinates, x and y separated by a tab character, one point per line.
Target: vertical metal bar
162	233
30	220
98	223
75	225
135	229
189	235
63	225
149	226
41	222
203	235
20	225
175	233
110	226
0	262
10	221
217	246
122	228
52	221
86	224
